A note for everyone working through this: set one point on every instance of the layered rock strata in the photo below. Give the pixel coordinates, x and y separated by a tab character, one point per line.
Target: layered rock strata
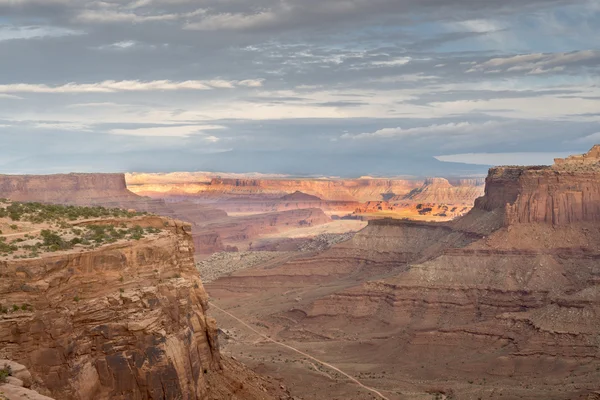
122	321
501	303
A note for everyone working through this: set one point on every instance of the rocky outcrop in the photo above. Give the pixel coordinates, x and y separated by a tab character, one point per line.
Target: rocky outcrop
562	194
122	321
17	386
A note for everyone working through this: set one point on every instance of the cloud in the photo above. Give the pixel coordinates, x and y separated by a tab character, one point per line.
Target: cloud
9	32
449	129
518	158
9	96
537	63
112	17
62	126
392	63
229	21
16	3
128	86
170	131
592	139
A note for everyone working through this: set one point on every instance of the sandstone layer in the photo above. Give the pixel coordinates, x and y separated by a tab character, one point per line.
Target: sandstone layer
122	321
325	189
501	303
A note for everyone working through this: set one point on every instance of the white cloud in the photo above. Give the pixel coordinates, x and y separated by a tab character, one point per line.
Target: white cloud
9	96
230	21
211	139
535	63
8	32
170	131
94	16
444	129
127	86
477	25
392	63
100	104
124	44
62	125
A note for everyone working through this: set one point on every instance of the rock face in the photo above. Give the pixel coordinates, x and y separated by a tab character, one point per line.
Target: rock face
18	384
356	190
122	321
501	303
440	190
565	193
66	188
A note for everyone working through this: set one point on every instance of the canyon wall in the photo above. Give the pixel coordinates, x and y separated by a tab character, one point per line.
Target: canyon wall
66	188
562	194
440	190
231	188
122	321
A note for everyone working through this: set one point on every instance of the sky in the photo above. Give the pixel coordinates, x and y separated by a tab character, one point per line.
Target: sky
325	87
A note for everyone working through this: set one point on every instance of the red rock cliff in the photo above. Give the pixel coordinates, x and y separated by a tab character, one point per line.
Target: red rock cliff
62	188
123	321
564	193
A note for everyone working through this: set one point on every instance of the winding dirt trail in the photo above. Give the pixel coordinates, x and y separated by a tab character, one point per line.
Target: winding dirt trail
370	389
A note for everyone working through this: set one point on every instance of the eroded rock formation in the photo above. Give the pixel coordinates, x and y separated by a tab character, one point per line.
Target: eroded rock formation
122	321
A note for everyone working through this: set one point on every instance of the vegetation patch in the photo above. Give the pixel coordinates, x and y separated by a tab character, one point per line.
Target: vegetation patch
59	233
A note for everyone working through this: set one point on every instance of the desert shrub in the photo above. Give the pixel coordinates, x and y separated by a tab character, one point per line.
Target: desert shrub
53	241
5	372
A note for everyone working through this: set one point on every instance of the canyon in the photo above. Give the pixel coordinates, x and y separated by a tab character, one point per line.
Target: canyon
320	288
428	199
500	303
212	229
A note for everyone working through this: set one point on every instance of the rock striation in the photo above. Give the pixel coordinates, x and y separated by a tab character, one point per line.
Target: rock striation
122	321
500	303
440	190
67	188
218	188
565	193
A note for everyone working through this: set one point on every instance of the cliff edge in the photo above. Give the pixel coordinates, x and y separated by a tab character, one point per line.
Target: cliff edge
123	319
564	193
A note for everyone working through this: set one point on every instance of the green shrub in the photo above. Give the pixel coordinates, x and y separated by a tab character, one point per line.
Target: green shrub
5	372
